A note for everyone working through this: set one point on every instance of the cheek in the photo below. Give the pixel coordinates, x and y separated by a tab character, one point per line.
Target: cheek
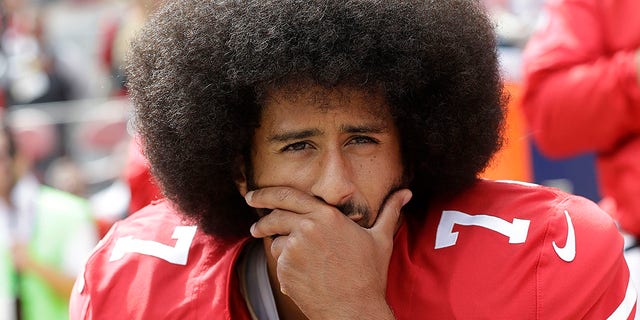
377	176
386	167
270	172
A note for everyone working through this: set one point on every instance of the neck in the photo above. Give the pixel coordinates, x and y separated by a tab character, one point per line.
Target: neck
287	309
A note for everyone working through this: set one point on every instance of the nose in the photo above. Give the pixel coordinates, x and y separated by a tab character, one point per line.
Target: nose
333	183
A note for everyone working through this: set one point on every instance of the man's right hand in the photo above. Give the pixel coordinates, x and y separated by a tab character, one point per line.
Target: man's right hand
329	265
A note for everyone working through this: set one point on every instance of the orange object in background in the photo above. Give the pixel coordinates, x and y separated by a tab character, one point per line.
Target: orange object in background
513	161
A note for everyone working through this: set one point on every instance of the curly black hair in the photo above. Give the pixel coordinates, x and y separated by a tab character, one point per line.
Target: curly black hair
199	68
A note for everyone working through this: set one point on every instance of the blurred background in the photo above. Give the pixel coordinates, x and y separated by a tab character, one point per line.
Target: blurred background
63	100
62	92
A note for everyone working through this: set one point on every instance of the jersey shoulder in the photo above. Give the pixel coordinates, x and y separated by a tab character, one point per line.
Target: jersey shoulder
548	212
535	240
155	264
542	203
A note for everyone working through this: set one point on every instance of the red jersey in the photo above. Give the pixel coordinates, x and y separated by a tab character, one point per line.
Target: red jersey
582	93
499	250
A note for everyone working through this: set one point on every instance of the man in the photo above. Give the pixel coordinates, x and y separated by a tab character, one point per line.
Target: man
46	236
289	136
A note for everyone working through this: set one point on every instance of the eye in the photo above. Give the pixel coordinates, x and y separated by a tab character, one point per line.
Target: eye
363	140
297	146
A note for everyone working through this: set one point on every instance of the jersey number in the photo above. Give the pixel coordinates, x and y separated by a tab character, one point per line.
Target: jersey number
176	254
445	237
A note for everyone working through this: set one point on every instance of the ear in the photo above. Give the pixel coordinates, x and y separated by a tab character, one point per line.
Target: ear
241	176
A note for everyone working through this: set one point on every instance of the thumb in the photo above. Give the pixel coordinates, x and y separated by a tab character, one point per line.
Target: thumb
390	214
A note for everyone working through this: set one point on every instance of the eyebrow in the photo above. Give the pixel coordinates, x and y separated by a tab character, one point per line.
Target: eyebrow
303	134
368	128
294	135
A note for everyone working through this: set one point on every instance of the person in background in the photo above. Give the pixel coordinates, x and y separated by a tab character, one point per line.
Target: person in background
7	290
142	186
50	235
582	94
320	160
117	33
32	73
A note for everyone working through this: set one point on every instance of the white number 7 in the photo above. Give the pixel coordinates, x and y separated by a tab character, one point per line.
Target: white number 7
176	254
445	237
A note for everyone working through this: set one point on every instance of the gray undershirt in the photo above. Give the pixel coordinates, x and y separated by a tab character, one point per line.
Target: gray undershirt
258	288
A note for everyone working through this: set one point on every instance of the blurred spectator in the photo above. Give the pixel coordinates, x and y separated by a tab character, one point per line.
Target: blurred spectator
50	235
65	174
7	300
117	34
138	176
38	137
582	94
136	185
31	74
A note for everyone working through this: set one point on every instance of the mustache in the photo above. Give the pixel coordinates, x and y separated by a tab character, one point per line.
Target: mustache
359	210
351	208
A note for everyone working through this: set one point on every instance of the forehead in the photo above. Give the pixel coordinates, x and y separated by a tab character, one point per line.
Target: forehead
317	103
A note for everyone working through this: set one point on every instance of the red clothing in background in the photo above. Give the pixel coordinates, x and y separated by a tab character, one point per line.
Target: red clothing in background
582	93
138	176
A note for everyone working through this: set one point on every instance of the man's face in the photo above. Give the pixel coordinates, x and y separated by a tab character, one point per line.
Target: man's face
340	145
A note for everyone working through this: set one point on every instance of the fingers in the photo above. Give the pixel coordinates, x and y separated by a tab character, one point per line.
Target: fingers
284	198
288	204
277	246
278	222
390	214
